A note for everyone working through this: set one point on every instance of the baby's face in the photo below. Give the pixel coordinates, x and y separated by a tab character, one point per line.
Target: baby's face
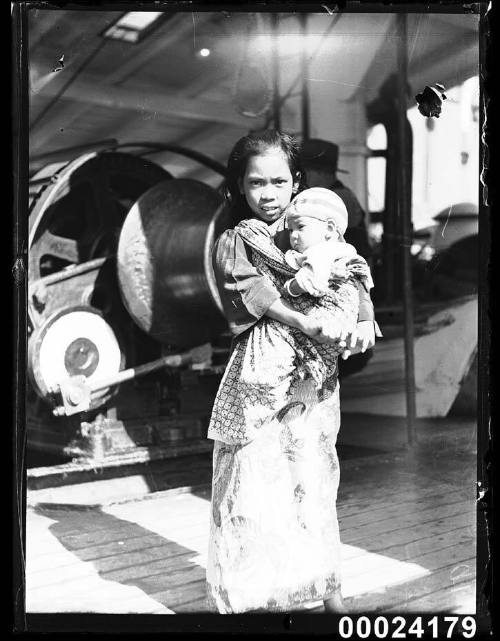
306	232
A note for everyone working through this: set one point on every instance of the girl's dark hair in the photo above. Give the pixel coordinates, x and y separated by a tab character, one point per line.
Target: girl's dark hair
254	144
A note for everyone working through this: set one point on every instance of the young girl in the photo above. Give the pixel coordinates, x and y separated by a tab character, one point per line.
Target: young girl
263	369
261	555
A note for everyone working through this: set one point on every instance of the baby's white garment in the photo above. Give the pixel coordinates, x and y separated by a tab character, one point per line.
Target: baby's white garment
322	261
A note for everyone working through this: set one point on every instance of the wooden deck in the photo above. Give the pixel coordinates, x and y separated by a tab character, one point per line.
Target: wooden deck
407	526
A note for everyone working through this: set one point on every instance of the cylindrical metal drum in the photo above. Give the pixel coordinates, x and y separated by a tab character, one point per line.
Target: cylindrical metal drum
164	262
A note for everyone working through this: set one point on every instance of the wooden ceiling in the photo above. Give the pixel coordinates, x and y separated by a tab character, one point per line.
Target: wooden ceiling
161	90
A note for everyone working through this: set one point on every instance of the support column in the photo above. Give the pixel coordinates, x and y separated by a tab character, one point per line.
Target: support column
405	224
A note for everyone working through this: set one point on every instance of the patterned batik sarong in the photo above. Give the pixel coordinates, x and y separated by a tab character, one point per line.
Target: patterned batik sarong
271	358
274	538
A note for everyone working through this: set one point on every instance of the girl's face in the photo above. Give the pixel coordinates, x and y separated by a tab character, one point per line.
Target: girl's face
267	184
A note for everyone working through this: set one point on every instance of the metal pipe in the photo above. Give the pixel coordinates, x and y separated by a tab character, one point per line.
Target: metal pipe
195	355
71	271
305	79
405	222
275	72
154	147
176	360
40	160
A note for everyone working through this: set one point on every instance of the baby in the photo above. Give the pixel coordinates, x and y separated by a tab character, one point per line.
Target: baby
317	220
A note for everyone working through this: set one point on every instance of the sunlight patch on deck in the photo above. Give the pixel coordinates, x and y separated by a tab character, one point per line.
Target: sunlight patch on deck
364	571
183	519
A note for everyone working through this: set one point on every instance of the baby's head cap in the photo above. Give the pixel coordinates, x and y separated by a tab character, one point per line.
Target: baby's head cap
320	203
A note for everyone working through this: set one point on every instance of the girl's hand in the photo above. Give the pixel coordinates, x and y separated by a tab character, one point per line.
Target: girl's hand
333	334
311	328
361	339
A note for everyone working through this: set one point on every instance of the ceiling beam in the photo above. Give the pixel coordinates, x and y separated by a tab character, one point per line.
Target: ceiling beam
207	81
91	91
65	113
175	29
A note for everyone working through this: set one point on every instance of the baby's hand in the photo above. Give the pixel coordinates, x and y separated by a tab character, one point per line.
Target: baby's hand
339	269
306	283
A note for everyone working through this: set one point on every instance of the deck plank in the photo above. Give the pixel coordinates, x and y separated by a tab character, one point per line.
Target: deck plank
167	579
410	550
459	599
186	593
397	500
114	562
360	518
398	596
391	529
432	560
405	535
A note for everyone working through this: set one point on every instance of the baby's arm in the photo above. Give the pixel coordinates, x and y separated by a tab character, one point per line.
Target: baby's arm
313	275
304	282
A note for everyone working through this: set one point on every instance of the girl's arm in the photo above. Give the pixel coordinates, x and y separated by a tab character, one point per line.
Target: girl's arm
366	312
283	312
245	293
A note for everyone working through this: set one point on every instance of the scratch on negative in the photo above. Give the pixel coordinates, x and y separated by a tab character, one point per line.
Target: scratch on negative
484	155
18	271
417	33
447	219
328	10
194	31
335	82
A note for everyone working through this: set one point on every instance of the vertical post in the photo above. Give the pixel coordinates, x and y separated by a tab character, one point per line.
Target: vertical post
275	72
390	213
405	222
305	79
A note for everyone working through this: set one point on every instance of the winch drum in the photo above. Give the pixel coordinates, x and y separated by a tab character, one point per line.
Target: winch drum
164	262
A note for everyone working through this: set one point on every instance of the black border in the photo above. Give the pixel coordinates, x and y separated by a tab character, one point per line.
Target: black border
256	624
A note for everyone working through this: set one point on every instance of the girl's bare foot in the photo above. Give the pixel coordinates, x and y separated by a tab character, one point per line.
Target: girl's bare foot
335	603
